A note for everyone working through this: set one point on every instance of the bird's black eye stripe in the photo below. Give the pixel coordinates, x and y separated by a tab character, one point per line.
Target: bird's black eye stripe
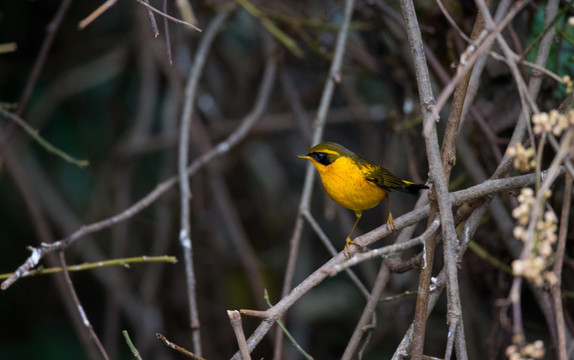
321	158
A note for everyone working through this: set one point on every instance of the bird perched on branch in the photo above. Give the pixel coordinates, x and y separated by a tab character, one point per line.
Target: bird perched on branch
356	183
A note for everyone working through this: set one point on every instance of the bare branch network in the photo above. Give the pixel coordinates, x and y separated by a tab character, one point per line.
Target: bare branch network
127	145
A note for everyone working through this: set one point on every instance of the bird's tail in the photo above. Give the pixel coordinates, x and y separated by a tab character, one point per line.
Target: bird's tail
412	187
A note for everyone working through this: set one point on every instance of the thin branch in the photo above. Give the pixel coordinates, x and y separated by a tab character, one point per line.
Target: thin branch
8	47
558	263
80	308
386	250
178	348
440	281
535	79
183	156
125	262
235	319
480	63
287	333
96	14
152	21
368	312
277	33
131	345
167	34
34	134
325	240
52	29
230	216
169	17
452	22
470	56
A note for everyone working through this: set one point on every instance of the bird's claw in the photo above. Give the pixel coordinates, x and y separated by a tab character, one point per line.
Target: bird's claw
348	243
391	224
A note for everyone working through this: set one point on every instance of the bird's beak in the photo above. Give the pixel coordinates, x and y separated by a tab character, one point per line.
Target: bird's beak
304	157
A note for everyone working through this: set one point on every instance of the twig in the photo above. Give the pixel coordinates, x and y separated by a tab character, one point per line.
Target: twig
282	37
470	57
235	319
440	281
8	47
80	308
287	333
171	18
186	10
556	146
100	264
183	156
230	215
536	78
152	21
480	62
40	140
40	224
483	254
96	13
534	66
52	30
133	349
323	237
177	348
167	34
398	296
452	22
558	263
448	149
368	312
386	250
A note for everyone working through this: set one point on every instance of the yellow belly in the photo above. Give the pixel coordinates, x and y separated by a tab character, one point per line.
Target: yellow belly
345	184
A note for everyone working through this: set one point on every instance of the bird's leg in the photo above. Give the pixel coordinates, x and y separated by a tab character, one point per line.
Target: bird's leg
348	241
390	221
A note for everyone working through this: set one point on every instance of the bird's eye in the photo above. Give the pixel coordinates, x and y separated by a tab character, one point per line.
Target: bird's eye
321	158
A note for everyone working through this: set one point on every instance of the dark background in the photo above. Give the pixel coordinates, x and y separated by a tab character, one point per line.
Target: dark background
108	94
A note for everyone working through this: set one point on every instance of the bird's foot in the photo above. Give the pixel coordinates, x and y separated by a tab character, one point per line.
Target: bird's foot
391	223
348	243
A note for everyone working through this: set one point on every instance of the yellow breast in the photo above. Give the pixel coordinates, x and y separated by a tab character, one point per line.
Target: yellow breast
344	182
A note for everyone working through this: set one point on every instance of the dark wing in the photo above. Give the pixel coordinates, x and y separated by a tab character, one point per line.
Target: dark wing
385	179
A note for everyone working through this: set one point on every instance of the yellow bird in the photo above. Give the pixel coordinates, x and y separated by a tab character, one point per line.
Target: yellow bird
356	183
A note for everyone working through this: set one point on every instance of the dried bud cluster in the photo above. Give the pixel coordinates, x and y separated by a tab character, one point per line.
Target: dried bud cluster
522	157
553	122
535	267
566	79
527	352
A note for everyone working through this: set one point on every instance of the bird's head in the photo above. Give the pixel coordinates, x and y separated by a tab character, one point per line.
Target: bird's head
324	154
